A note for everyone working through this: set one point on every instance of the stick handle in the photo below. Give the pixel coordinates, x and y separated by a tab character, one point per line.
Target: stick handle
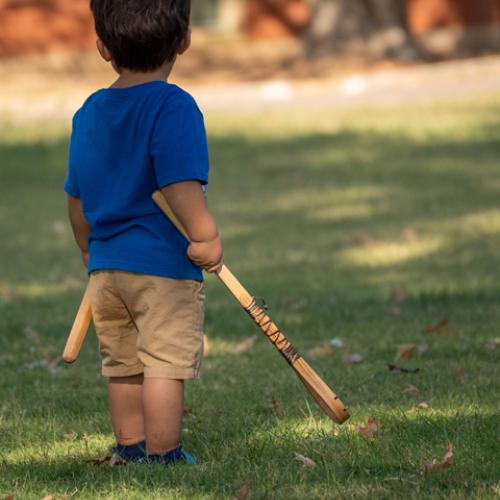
79	330
246	301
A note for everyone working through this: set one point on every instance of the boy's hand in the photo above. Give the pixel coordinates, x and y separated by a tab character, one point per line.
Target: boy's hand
206	254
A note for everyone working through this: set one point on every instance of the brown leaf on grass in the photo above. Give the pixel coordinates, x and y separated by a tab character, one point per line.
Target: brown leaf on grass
245	345
276	405
405	351
423	406
430	466
491	345
409	234
399	295
395	310
70	436
111	460
10	497
48	497
365	240
369	429
442	327
244	491
411	390
99	461
459	374
116	460
187	411
306	462
352	358
320	352
401	369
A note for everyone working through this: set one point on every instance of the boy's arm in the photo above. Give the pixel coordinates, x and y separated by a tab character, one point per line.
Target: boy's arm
188	202
80	226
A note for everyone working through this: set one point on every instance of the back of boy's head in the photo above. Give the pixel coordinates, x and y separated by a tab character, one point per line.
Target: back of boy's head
141	35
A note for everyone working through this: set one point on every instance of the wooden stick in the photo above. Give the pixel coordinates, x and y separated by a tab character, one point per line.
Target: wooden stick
324	396
79	330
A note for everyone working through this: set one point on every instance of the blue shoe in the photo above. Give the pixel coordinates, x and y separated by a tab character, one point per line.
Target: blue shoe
129	453
174	456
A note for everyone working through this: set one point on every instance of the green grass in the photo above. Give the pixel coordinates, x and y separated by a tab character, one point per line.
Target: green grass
325	214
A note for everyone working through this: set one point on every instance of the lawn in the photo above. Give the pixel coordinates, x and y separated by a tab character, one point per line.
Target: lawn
378	227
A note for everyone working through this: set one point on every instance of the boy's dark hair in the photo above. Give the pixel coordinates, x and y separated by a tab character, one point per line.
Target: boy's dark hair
141	34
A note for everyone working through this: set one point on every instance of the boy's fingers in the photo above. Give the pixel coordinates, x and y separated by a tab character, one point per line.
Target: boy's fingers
214	269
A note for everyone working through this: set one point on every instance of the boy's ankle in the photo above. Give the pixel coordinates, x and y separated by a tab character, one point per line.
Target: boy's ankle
135	451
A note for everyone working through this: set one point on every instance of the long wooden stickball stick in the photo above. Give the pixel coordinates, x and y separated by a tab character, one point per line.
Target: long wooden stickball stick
319	390
79	330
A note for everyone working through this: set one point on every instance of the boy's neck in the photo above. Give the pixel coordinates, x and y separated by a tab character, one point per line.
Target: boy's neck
129	78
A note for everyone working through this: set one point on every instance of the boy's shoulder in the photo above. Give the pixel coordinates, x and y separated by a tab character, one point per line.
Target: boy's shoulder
162	93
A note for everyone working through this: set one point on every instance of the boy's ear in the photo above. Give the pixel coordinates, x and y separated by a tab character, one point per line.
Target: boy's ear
105	53
185	43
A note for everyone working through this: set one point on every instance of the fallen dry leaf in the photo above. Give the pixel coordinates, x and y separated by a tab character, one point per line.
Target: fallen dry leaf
187	411
442	327
244	491
399	295
401	369
409	234
48	497
111	460
245	345
430	466
352	359
320	352
10	497
396	310
304	461
459	374
411	390
71	436
369	429
405	351
492	344
423	406
116	460
276	405
365	240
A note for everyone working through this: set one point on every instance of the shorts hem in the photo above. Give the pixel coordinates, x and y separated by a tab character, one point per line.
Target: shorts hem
122	371
171	373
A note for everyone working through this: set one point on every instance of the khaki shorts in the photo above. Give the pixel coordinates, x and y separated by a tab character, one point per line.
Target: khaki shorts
148	324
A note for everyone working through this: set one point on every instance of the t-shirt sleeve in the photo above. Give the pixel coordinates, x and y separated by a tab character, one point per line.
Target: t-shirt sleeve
179	144
71	186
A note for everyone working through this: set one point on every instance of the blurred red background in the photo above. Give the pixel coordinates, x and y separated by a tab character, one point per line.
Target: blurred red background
40	26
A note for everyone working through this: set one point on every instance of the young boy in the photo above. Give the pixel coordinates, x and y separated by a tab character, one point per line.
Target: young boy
140	135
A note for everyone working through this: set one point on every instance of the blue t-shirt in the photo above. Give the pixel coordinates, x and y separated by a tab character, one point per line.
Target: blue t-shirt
125	144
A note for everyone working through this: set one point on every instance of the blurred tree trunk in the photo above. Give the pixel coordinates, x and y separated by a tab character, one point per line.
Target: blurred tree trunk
376	26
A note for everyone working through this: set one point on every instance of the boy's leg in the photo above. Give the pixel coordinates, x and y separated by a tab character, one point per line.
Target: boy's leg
117	335
163	403
125	403
168	314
